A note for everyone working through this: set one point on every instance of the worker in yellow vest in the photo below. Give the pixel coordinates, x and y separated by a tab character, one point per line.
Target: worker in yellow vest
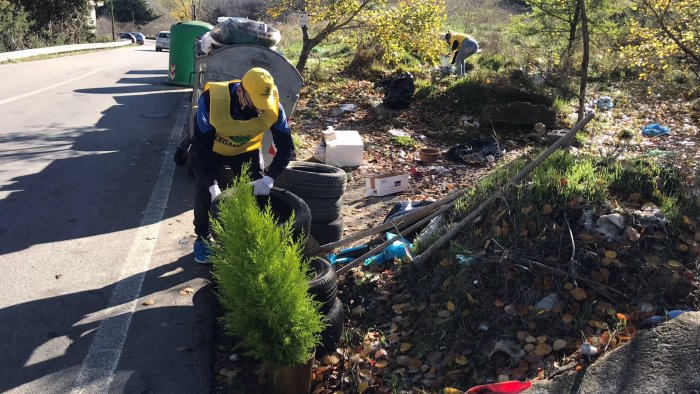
228	130
462	46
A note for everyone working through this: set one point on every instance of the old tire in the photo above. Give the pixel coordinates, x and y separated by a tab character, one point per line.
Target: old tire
325	233
180	156
283	203
313	180
330	337
324	210
323	286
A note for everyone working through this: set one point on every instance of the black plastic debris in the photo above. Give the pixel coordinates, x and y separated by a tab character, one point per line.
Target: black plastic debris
475	152
398	91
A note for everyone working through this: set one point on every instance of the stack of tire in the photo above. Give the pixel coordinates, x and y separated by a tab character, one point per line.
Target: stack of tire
324	289
321	187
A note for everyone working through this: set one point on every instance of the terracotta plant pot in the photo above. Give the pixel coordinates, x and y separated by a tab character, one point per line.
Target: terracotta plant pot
290	380
428	155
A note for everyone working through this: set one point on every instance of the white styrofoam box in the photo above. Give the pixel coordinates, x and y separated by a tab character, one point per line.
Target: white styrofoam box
381	185
344	148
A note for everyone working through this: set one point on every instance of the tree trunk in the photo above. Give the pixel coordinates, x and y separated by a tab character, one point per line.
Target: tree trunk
584	62
573	25
308	45
304	56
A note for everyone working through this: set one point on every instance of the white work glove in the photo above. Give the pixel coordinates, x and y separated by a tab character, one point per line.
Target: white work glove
214	191
262	186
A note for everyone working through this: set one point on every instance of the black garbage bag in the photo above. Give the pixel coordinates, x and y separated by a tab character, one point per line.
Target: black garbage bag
398	91
475	151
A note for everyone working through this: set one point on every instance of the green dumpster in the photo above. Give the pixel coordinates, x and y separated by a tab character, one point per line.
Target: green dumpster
182	41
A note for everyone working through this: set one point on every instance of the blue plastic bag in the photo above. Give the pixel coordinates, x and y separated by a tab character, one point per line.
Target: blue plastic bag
655	130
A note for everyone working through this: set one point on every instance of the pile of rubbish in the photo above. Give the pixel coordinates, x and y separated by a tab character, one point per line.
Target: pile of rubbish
234	30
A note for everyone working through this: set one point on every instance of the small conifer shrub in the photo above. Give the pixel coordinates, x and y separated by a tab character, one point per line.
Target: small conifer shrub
263	281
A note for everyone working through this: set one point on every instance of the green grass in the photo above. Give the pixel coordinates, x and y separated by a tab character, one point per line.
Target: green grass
584	181
404	142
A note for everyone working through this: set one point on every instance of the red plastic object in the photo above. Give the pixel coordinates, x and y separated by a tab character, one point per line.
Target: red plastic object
511	387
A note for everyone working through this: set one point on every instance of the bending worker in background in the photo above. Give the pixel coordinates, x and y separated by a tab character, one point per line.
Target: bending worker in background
228	130
462	46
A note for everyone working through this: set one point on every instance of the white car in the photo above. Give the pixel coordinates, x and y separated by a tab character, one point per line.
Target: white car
163	41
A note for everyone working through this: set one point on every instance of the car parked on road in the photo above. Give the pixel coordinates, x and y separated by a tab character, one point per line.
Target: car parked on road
163	41
127	36
140	38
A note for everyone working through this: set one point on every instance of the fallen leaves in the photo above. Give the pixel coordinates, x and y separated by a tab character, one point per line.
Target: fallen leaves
543	349
461	360
186	291
578	293
558	344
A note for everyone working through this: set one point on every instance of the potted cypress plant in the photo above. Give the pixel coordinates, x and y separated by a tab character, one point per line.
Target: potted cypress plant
263	283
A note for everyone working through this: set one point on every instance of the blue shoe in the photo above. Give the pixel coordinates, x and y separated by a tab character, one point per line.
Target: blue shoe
201	251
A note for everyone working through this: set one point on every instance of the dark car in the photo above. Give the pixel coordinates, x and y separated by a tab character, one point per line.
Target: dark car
127	36
140	38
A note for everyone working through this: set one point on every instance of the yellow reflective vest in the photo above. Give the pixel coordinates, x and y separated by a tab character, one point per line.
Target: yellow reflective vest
459	39
234	137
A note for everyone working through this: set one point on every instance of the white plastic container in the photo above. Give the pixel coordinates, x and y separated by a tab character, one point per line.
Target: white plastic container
344	148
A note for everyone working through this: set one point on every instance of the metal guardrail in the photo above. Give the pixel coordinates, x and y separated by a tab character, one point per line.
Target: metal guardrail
23	54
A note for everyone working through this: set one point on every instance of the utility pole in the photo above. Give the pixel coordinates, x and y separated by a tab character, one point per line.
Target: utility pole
111	6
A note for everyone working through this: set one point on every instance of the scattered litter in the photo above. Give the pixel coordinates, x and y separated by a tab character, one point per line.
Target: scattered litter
404	207
348	107
432	230
655	130
469	122
547	303
605	103
508	347
340	148
398	133
234	357
512	387
587	220
655	320
341	109
589	350
381	185
465	260
651	217
347	255
398	91
475	151
540	129
396	250
438	169
611	226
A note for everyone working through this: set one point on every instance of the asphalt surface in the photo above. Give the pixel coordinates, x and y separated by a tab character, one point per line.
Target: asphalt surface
95	222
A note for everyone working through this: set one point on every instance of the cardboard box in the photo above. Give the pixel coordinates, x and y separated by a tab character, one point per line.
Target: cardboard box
341	148
381	185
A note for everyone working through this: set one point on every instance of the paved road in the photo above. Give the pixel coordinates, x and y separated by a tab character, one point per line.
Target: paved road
95	220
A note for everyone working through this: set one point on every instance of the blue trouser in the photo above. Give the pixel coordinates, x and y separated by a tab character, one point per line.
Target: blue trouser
467	49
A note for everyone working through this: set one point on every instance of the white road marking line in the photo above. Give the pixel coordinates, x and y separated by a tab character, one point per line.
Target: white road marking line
97	370
46	88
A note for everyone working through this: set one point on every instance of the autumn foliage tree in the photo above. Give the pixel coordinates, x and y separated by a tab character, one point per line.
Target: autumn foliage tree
665	33
404	26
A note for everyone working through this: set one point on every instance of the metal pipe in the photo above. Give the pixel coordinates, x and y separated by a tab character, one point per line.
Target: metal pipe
420	260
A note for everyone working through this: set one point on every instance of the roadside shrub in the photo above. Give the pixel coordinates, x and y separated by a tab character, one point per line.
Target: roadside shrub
15	26
263	281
